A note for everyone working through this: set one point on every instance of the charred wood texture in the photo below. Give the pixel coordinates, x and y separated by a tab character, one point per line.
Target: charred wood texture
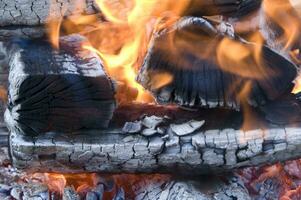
204	150
32	12
201	57
28	32
234	8
62	90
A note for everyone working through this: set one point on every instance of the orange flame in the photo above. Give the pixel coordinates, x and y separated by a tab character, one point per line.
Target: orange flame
121	41
282	13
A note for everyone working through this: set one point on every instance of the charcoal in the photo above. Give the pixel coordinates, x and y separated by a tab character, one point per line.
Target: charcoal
152	122
132	127
57	90
149	132
187	51
186	128
161	130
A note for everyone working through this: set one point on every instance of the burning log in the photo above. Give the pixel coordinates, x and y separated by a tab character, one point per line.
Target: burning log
208	65
62	90
218	145
280	25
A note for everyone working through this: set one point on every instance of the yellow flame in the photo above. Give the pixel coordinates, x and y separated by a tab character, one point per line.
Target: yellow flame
121	41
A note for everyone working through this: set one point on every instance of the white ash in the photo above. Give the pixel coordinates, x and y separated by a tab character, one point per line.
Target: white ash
152	125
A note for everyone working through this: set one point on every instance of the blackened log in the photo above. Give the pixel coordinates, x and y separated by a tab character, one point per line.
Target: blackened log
28	32
218	146
62	90
32	12
194	54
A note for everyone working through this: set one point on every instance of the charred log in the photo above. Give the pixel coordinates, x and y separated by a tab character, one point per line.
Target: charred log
28	32
201	60
62	90
31	12
215	146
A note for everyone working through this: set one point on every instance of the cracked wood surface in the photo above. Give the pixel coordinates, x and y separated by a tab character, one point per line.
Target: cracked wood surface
62	90
203	74
29	32
204	151
38	12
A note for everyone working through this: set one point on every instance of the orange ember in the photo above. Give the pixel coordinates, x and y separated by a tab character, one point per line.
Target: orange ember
83	183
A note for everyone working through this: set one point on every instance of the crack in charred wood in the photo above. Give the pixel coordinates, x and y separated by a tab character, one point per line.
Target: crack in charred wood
107	152
70	84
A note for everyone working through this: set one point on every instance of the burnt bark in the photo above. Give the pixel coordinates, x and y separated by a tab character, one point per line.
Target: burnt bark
29	32
62	90
218	146
32	12
203	60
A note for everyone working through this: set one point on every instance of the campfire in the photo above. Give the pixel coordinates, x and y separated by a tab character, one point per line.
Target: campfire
139	99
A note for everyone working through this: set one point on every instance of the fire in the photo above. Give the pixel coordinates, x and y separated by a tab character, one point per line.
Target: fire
87	182
281	12
122	39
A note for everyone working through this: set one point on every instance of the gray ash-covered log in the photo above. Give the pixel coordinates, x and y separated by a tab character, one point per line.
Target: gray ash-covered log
209	65
28	32
216	146
57	90
32	12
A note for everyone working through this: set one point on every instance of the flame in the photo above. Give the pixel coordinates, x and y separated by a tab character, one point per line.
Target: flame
285	16
85	182
122	39
55	182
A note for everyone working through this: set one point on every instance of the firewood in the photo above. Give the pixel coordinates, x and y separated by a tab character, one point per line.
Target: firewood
29	32
57	90
202	76
31	12
218	146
